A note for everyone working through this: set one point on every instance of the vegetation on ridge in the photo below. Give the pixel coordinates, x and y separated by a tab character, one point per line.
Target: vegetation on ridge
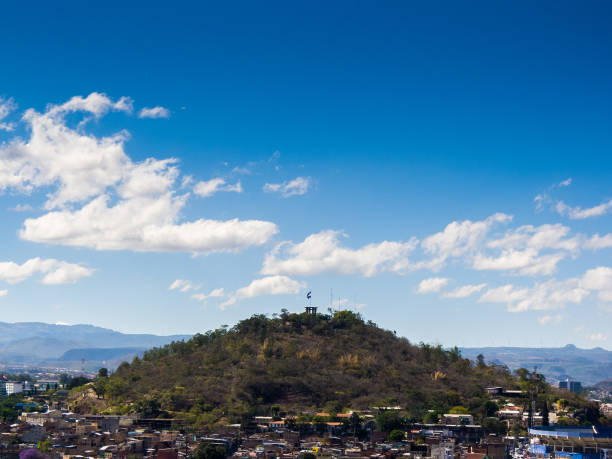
293	363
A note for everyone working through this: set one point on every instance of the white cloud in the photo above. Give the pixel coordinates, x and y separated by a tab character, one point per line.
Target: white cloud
432	285
297	186
186	181
540	199
154	112
520	250
21	208
525	262
78	165
147	179
6	107
216	293
578	213
321	252
553	294
3	292
144	224
464	291
542	296
100	198
551	319
241	170
56	271
95	103
599	279
596	242
544	198
183	285
597	337
537	237
208	188
272	285
66	273
459	238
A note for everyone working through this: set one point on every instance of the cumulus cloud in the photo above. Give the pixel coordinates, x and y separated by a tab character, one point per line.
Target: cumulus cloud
542	296
596	242
523	262
3	292
464	291
216	293
206	189
79	166
7	106
321	252
538	238
297	186
144	225
553	294
100	198
183	285
600	280
578	213
271	285
460	238
520	250
432	285
154	112
56	271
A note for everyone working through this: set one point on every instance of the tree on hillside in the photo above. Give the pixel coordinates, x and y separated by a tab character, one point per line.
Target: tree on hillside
100	386
388	421
354	424
77	381
494	425
545	416
208	451
64	379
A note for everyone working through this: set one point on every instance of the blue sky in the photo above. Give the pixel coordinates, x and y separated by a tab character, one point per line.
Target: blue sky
443	167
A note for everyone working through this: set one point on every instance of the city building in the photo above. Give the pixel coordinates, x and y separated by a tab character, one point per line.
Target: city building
13	387
593	442
572	386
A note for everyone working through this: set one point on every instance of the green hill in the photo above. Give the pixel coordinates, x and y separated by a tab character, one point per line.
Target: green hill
297	362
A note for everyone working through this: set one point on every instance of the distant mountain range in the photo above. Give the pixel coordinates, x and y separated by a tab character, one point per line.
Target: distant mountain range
586	365
41	344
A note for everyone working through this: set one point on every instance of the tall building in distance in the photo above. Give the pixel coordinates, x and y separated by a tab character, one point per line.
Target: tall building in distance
572	386
13	387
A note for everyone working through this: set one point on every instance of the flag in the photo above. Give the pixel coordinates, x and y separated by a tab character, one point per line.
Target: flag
308	295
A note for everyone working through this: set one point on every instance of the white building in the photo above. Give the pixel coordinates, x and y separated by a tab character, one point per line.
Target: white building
13	387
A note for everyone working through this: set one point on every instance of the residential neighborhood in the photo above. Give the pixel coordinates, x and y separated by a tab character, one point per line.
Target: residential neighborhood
45	423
